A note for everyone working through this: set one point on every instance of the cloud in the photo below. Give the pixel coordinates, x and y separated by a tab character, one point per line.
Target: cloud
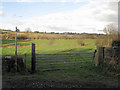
1	7
23	0
51	0
87	18
35	0
1	13
58	0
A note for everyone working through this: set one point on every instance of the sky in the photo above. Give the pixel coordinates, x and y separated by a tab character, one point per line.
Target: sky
80	16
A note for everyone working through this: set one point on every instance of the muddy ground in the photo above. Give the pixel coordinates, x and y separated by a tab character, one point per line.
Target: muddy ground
51	84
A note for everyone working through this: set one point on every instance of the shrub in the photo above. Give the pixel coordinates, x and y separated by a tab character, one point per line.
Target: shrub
80	42
22	36
111	34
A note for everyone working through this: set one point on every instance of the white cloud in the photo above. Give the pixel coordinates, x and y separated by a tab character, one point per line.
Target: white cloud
33	0
58	0
23	0
88	18
1	13
1	7
51	0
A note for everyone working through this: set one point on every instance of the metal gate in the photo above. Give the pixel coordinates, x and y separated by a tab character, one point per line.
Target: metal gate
61	61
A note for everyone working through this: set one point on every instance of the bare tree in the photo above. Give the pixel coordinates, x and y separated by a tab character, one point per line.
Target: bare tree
111	33
110	29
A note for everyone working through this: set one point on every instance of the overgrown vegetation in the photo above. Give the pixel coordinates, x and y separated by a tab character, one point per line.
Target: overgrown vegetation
111	34
41	35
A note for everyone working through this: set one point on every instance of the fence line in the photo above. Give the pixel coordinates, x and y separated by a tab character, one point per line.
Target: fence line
62	58
62	63
64	53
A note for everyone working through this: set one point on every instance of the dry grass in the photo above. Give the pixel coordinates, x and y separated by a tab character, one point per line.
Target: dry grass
47	36
106	41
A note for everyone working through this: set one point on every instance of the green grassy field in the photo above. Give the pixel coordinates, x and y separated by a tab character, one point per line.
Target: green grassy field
45	46
84	72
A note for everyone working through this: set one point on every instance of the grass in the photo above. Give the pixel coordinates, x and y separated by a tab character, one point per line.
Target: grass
42	46
84	72
5	31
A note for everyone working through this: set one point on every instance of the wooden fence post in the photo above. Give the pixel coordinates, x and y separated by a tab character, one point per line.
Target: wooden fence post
25	61
33	59
99	58
16	50
119	60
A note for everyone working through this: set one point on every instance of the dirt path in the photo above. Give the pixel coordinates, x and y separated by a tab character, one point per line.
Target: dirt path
51	84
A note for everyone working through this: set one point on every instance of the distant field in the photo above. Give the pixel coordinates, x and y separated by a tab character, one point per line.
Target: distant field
5	31
47	46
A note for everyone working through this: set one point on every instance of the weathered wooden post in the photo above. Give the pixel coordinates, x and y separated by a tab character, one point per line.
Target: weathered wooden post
119	21
16	49
119	40
99	58
101	54
25	61
33	59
